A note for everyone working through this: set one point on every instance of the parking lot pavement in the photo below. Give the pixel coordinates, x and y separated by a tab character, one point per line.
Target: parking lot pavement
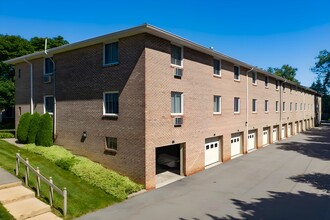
286	180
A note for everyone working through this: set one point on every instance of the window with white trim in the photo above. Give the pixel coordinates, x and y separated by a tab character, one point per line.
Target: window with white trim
111	53
236	72
176	55
176	103
254	78
276	106
48	66
300	106
49	104
266	105
111	143
277	84
111	103
283	106
217	104
254	105
236	105
296	106
290	106
217	67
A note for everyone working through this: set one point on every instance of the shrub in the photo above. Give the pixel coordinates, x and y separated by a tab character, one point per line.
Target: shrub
23	127
33	128
45	132
66	163
6	135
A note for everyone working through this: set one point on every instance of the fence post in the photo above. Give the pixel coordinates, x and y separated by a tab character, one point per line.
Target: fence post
38	182
17	164
51	192
64	201
27	173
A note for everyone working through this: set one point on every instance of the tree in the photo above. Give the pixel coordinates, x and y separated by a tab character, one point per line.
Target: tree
45	132
322	67
23	127
319	87
7	93
38	43
286	71
33	128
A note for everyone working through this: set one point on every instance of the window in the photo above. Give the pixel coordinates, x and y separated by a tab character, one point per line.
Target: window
110	103
266	105
304	106
276	106
49	104
300	106
296	106
277	83
283	87
176	55
49	66
111	53
236	72
236	105
266	81
217	67
290	106
254	78
283	106
111	143
177	103
217	104
254	105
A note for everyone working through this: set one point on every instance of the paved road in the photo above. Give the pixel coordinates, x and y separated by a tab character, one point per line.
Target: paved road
287	180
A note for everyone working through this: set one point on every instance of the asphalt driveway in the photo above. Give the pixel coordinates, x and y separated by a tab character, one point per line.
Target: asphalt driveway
286	180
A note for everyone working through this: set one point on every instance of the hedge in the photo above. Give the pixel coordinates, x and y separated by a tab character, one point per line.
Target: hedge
23	127
6	135
45	132
33	128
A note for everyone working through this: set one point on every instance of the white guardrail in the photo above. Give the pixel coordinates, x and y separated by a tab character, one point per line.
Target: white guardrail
39	177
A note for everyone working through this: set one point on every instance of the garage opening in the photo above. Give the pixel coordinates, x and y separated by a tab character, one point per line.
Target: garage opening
284	131
252	140
275	134
169	164
236	145
212	151
289	129
301	126
265	136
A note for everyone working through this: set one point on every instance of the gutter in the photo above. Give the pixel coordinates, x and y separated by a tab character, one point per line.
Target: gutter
31	86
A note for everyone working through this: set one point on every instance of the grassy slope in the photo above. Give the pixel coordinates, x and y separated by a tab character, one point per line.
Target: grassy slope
82	197
4	214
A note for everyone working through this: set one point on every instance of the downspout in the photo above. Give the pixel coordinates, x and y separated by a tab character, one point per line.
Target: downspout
247	107
54	80
31	86
281	106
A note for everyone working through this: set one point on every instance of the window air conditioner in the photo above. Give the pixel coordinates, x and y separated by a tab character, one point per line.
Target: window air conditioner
47	79
178	121
178	72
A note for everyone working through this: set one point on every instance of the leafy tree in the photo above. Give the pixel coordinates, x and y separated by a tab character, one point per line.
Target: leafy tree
45	132
7	93
38	43
319	87
322	67
286	71
23	127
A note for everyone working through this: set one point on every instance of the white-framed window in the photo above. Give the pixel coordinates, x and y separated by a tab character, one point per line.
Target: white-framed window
277	84
290	106
236	73
254	78
266	105
266	81
110	54
217	67
176	55
217	104
49	104
296	106
276	106
304	106
111	143
300	106
254	105
283	106
111	103
237	105
48	66
176	103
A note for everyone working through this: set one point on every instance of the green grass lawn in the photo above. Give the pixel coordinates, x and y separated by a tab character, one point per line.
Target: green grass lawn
4	215
82	196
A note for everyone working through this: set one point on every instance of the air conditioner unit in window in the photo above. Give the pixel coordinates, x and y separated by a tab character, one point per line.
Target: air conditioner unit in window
47	79
178	121
178	72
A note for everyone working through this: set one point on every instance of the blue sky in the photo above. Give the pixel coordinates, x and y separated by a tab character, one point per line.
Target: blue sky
261	33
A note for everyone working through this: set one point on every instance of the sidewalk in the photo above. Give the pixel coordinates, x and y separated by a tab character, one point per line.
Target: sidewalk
7	178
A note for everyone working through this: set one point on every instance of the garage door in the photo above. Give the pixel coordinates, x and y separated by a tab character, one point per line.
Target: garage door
236	144
265	136
212	150
301	126
296	127
275	134
283	132
252	140
289	130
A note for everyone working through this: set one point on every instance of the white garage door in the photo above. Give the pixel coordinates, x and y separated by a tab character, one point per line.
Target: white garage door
236	145
283	132
289	130
275	134
301	126
251	140
296	127
265	137
212	150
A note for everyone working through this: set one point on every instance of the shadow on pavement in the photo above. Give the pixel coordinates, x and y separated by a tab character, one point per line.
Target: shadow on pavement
316	145
318	180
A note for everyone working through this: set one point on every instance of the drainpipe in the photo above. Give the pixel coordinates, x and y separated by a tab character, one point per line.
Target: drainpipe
247	106
281	106
31	85
54	80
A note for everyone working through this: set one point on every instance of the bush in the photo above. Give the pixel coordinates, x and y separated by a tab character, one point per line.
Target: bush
23	127
45	132
93	173
6	135
33	128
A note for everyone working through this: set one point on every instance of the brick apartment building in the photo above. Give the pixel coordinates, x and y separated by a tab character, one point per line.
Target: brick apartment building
125	98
